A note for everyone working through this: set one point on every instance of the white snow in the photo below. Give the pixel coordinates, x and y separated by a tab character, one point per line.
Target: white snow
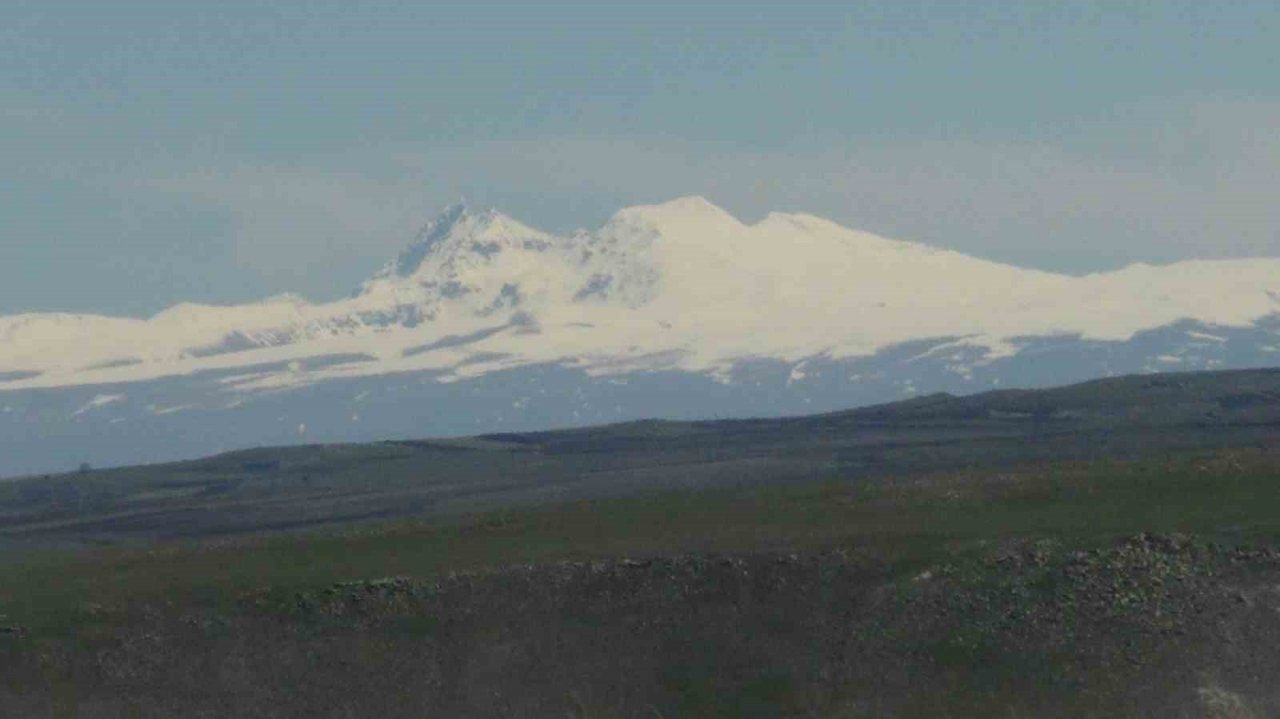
101	400
797	373
161	411
678	285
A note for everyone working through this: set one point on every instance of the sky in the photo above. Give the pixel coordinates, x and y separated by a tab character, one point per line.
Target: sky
158	152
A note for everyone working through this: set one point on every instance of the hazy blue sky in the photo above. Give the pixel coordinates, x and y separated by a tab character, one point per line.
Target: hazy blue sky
157	151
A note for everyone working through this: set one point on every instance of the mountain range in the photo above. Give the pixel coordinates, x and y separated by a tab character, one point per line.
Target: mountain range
674	310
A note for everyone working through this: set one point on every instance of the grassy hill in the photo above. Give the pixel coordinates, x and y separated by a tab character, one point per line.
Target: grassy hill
1107	549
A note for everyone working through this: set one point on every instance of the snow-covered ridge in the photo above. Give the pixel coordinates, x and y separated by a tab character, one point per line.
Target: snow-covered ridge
681	284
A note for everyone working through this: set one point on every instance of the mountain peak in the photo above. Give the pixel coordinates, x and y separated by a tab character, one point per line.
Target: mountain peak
455	223
428	237
681	284
689	204
689	211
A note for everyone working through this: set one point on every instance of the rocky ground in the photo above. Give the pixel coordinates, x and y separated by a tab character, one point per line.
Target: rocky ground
1147	626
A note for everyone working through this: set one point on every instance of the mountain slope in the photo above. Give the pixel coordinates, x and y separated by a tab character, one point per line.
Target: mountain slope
672	310
681	285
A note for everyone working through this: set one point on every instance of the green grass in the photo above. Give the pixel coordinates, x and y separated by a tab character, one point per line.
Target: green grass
972	594
905	522
942	557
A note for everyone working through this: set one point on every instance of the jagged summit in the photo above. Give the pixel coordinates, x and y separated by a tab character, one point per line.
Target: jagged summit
451	231
430	235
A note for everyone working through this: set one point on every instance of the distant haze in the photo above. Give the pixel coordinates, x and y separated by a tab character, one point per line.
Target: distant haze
164	152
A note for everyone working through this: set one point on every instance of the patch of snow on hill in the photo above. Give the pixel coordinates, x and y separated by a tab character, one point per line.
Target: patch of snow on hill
101	400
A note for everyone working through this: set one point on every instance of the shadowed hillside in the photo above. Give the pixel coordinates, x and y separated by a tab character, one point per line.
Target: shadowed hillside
298	487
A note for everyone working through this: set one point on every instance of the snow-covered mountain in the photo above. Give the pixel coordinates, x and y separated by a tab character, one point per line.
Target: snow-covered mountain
791	313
